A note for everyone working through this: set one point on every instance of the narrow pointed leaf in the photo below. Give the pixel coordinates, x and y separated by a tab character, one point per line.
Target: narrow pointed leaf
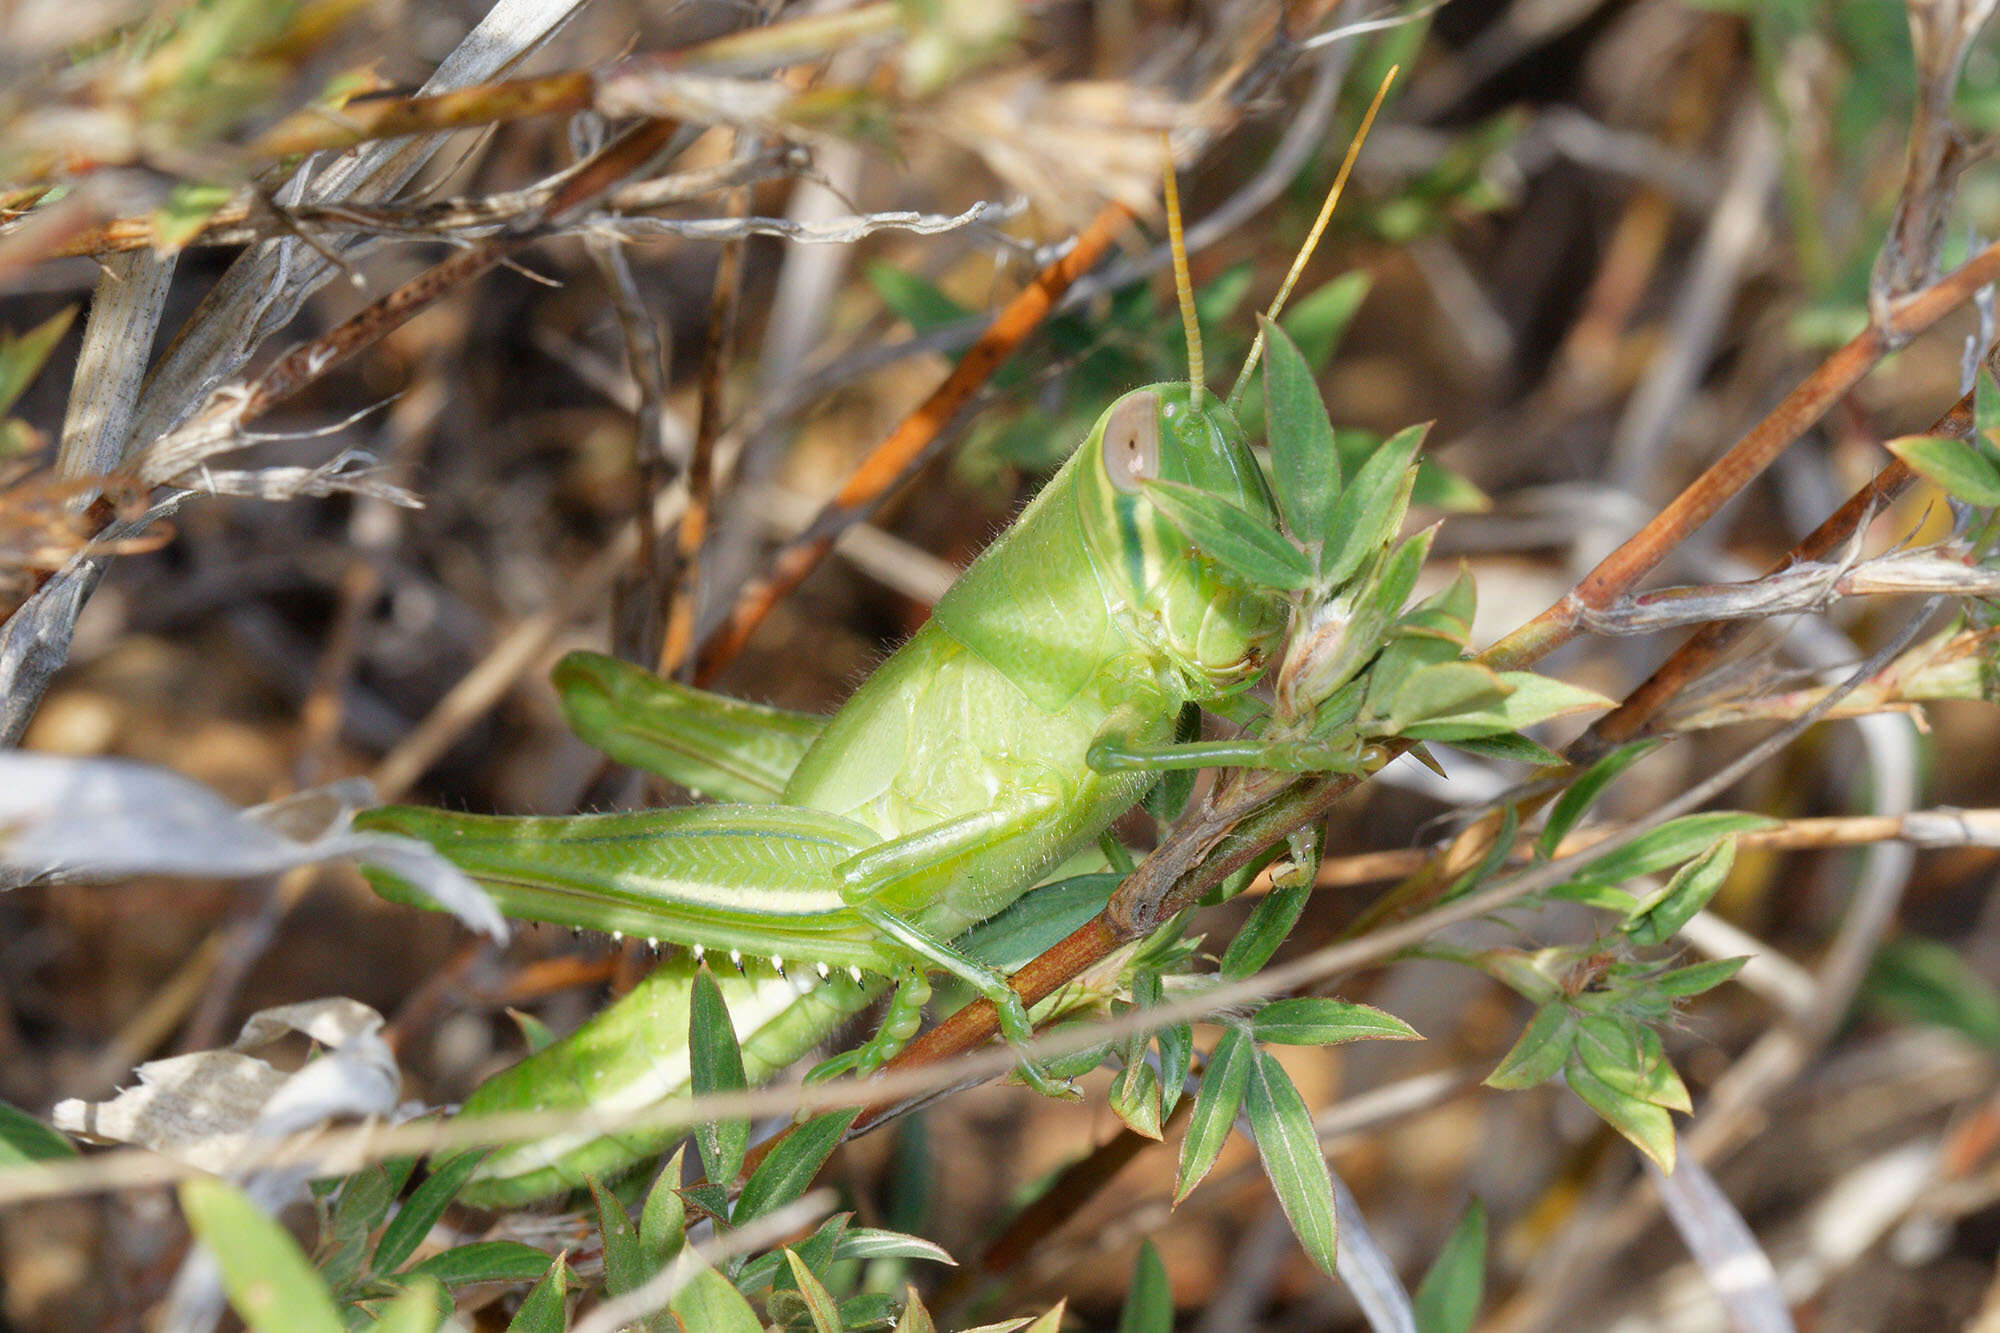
716	1064
1149	1302
1316	321
1304	463
1658	917
269	1281
408	1228
1215	1105
1514	749
1135	1099
420	1308
1955	465
1176	1046
1540	1051
1697	978
625	1266
1269	922
916	1317
1232	537
24	1139
543	1311
1297	1169
1316	1020
820	1305
1581	794
1448	1298
22	355
482	1261
1444	690
1533	699
1371	508
1650	1129
1670	844
663	1221
711	1303
788	1172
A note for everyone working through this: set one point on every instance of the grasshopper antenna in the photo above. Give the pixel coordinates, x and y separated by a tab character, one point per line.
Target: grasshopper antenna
1312	237
1183	285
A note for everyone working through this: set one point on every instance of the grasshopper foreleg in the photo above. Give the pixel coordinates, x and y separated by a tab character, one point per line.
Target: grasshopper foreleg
1116	748
900	1021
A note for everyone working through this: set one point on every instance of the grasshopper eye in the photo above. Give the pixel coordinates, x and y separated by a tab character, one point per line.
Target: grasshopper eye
1132	441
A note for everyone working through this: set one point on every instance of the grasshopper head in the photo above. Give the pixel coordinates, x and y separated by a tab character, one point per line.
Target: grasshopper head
1215	630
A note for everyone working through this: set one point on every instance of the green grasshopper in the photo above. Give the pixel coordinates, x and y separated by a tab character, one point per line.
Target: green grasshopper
1037	705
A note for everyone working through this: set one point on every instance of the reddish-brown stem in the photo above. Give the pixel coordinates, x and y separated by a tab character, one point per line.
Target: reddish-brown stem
309	362
886	466
1727	476
1707	645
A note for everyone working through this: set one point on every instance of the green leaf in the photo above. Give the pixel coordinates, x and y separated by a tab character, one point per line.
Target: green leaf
537	1035
1149	1303
267	1277
407	1229
1540	1051
1297	1169
1626	1057
1658	917
1533	699
916	1318
914	299
874	1243
1650	1129
421	1307
364	1201
824	1310
663	1221
1371	508
1670	844
625	1267
1317	1020
1697	978
788	1172
1269	922
25	1139
1438	487
1955	465
1581	794
188	207
1516	749
483	1261
22	355
1232	537
1305	466
710	1303
1444	691
1135	1098
543	1311
1176	1046
1215	1105
1922	981
1049	1321
1448	1298
1317	320
716	1065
